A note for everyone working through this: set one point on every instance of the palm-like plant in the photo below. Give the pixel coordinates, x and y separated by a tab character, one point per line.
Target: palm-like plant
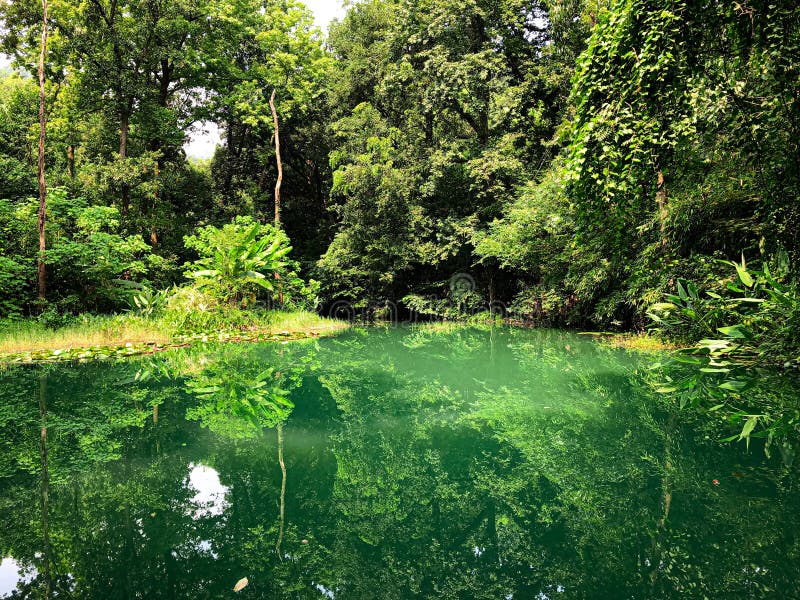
237	260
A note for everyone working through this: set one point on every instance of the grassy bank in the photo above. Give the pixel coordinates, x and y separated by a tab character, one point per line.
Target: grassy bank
641	342
131	333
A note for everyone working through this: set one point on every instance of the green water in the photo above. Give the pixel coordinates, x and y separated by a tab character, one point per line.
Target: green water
418	463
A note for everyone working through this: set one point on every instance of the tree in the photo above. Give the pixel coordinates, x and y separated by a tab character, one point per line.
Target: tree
252	52
42	136
667	135
463	101
279	181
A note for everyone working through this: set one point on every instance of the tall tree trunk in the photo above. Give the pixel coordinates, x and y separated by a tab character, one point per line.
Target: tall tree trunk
42	136
124	126
283	492
230	155
71	161
154	208
166	79
156	144
666	504
663	213
278	159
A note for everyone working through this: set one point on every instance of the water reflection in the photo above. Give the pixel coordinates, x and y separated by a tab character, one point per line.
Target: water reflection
210	499
14	576
411	463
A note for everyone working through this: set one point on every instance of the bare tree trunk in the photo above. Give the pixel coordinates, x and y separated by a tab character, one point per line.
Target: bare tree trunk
663	214
42	136
666	502
71	161
278	158
283	491
124	126
156	198
230	156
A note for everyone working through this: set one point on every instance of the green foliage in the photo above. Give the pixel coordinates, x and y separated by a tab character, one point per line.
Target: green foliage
244	261
89	255
86	259
240	398
15	279
743	324
756	312
148	302
664	169
576	158
443	110
192	311
238	259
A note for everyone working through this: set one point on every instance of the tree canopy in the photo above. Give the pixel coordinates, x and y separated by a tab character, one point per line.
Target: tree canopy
569	160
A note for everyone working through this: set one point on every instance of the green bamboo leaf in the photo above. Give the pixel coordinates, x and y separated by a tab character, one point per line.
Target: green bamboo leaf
744	274
682	292
748	428
737	332
734	385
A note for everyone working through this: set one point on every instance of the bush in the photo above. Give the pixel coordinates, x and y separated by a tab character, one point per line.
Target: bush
90	257
747	321
87	257
753	315
15	277
245	261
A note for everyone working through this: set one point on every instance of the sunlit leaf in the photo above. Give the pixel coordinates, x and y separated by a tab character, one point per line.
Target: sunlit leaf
241	584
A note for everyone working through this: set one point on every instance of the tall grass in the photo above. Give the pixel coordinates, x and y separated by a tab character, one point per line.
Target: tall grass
118	330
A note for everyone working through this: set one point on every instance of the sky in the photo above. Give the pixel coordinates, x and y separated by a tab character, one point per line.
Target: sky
325	11
205	137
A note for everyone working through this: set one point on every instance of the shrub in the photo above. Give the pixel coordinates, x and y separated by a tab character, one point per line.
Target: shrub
86	255
245	261
15	276
753	315
746	322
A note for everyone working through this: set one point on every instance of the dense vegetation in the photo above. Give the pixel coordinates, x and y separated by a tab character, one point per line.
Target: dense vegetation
568	162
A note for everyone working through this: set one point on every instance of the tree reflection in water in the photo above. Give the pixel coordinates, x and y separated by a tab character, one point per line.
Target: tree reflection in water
426	462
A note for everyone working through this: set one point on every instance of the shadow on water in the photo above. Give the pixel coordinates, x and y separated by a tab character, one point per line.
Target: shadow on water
424	462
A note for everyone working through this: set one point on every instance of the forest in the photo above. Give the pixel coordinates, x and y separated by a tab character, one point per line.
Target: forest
604	164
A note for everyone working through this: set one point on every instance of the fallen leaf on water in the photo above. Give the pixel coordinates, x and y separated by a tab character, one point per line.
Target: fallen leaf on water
241	584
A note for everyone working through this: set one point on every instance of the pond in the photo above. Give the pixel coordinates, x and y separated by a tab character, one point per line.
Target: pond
432	462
